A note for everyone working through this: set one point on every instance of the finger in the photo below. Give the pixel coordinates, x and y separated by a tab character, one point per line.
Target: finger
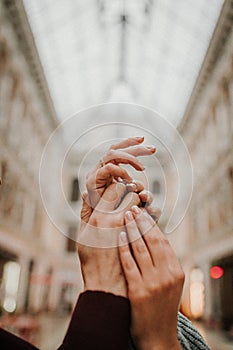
172	260
97	182
152	235
128	202
111	197
135	186
154	212
139	150
86	210
131	187
140	251
121	157
139	185
129	266
103	174
146	197
145	222
128	142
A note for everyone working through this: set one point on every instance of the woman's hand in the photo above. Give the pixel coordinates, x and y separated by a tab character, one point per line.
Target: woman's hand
98	240
154	281
108	170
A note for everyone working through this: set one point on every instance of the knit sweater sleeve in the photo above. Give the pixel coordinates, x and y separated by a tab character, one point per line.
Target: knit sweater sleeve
189	337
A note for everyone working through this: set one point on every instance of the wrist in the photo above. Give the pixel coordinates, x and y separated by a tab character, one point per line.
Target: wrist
118	288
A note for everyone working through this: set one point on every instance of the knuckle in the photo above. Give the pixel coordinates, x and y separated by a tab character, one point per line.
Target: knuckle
140	247
152	287
168	284
137	296
127	263
153	238
108	166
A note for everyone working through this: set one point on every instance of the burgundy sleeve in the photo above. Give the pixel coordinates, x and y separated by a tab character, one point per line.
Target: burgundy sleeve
100	321
9	341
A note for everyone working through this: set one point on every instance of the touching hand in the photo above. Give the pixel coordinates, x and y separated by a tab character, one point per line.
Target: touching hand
154	281
108	170
98	240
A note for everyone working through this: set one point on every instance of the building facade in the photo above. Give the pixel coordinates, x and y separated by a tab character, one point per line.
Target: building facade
33	253
204	241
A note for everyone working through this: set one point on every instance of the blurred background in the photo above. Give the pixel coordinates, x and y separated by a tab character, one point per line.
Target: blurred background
58	57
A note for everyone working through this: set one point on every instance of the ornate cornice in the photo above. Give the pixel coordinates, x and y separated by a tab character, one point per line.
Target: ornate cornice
17	17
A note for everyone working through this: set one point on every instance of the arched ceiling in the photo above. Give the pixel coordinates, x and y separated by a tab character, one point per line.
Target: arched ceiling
142	51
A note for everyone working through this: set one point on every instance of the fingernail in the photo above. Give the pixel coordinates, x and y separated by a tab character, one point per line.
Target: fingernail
151	148
129	215
135	209
131	187
139	137
123	237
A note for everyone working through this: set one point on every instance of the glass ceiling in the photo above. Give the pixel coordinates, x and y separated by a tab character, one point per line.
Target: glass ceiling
143	51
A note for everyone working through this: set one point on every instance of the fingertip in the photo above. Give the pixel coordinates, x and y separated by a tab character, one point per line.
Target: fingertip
143	195
131	187
136	210
128	215
139	139
152	149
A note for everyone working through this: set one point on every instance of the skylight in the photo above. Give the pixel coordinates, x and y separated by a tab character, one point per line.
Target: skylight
143	51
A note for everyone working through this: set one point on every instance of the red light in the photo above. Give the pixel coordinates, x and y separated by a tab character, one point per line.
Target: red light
216	272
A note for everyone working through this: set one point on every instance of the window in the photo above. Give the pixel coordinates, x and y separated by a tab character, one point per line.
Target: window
156	187
71	239
75	194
